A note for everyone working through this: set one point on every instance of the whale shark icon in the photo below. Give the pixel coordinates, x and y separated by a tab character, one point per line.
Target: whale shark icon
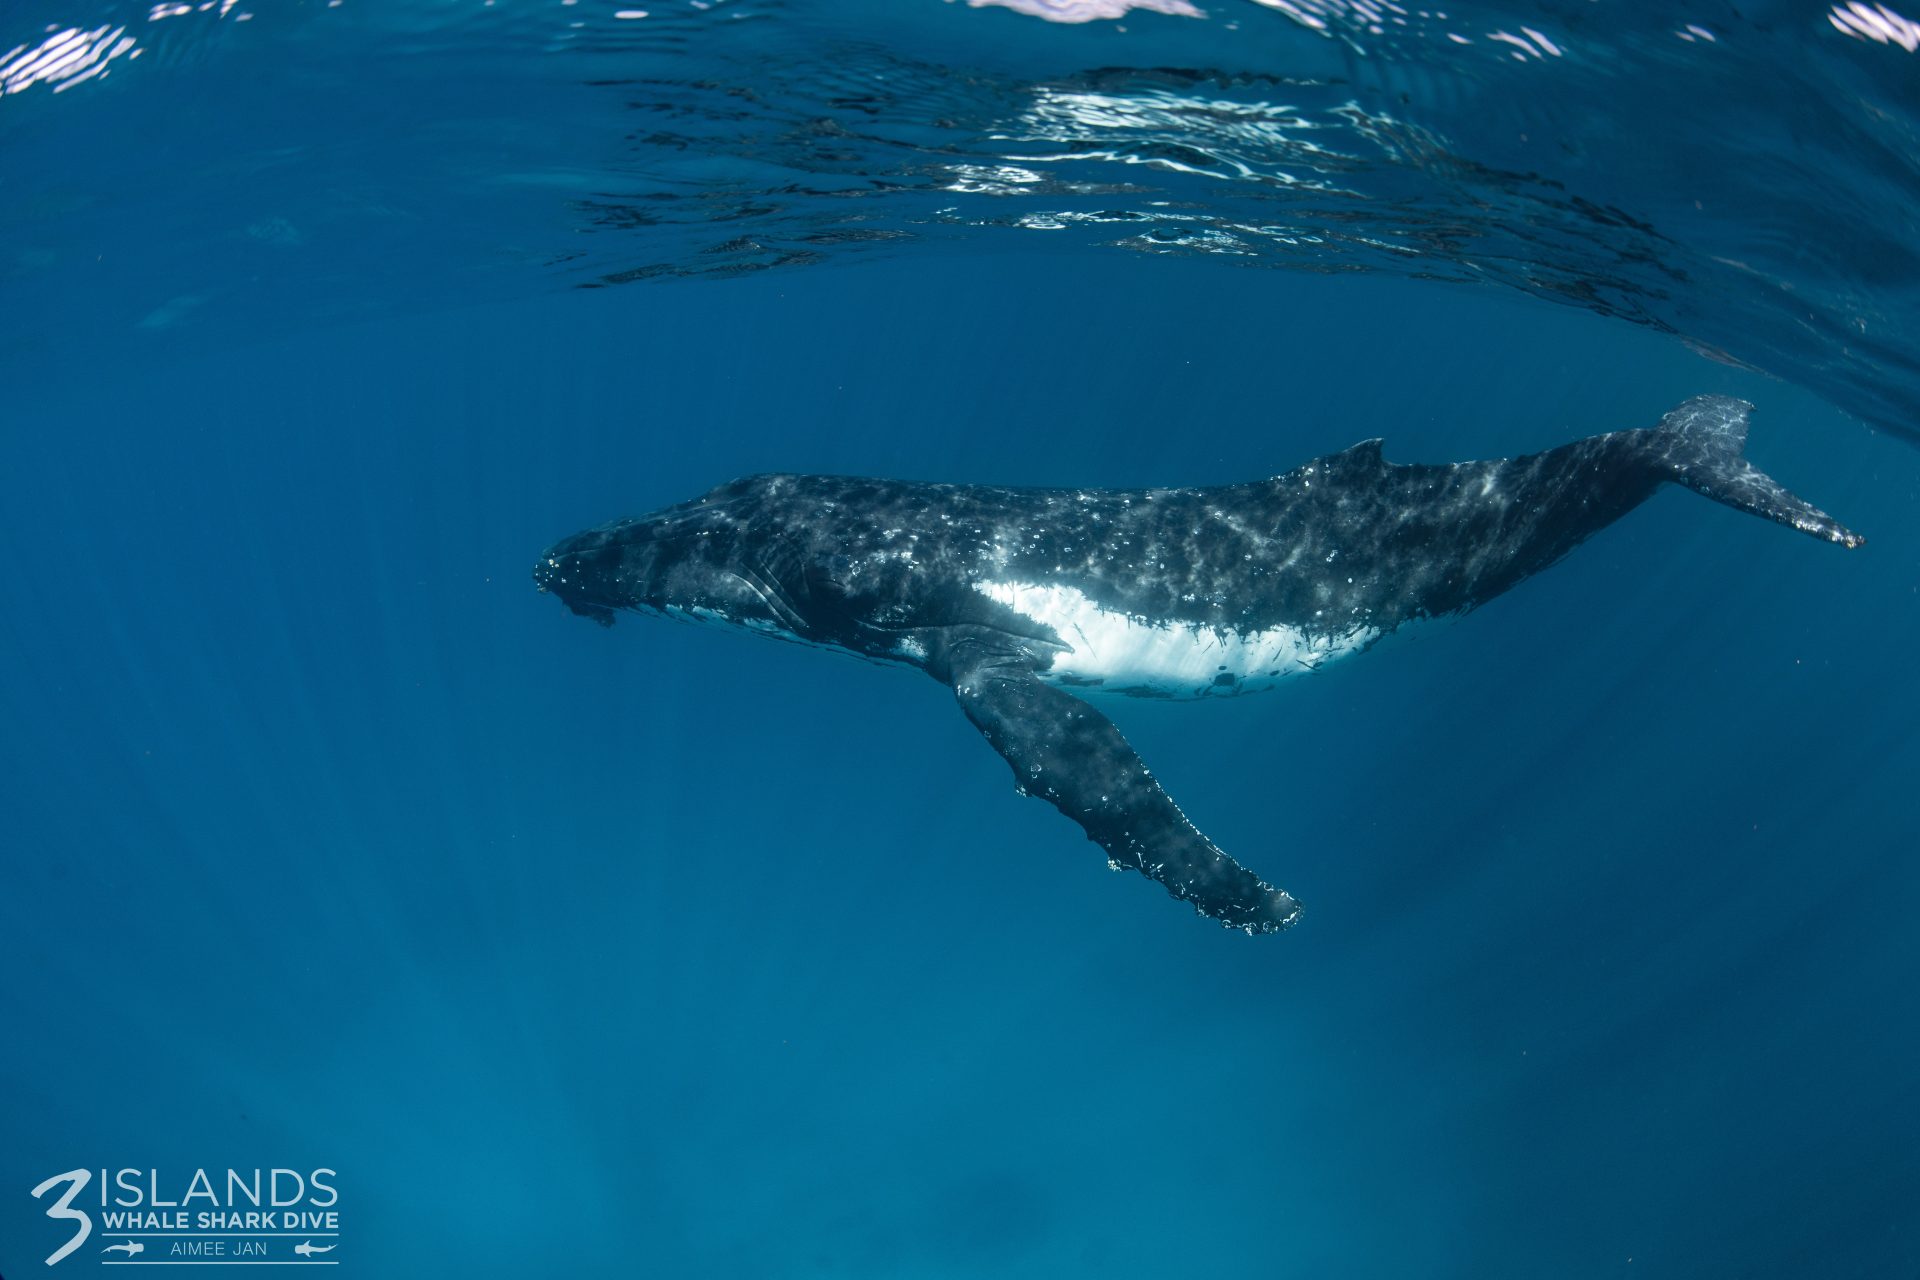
130	1248
308	1248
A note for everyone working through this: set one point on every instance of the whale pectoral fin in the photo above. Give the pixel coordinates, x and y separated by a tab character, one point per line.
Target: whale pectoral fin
1067	753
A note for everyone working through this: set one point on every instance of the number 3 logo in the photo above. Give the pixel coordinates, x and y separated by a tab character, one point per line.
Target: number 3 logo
63	1208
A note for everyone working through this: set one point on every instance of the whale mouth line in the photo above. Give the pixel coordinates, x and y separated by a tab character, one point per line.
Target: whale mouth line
600	613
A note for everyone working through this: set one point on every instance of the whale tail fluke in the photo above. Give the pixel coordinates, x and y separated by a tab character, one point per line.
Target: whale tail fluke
1699	444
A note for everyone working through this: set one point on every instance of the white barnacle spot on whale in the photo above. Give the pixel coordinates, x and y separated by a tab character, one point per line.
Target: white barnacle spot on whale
1120	653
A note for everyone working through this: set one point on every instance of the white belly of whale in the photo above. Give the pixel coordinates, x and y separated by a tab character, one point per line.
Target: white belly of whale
1117	653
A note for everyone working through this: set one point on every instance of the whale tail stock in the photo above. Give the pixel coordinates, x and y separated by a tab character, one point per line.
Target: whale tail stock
1699	445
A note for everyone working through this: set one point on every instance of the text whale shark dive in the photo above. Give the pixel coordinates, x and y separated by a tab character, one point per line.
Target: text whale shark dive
1022	600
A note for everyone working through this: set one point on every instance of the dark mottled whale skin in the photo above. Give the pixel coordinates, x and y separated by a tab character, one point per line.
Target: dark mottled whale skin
1013	597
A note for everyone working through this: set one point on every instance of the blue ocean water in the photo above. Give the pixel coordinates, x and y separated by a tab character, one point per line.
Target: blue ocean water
660	951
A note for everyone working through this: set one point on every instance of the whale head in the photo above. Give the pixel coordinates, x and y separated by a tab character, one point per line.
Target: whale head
691	562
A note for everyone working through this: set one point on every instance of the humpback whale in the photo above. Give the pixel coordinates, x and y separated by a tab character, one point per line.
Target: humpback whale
1026	601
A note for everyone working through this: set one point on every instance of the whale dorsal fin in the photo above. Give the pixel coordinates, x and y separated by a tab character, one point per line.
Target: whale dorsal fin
1365	454
1360	459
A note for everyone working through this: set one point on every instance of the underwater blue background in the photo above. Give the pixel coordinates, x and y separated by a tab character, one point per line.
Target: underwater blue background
666	951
